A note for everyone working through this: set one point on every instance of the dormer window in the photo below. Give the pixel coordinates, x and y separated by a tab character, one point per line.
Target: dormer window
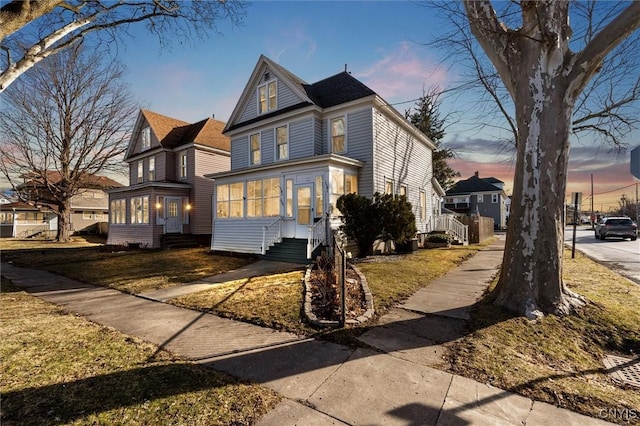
146	138
267	97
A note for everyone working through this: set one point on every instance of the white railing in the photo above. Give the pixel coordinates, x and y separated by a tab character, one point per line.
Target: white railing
271	234
317	236
451	225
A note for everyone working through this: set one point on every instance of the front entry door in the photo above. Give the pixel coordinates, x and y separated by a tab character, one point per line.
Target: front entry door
173	223
304	210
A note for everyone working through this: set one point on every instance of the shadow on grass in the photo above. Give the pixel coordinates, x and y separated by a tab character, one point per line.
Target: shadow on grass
74	400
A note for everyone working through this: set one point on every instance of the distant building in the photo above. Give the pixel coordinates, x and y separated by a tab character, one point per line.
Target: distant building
479	196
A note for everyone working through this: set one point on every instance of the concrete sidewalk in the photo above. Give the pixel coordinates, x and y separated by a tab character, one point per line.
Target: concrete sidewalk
324	383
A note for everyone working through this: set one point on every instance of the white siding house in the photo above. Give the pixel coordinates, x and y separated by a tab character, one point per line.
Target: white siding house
296	147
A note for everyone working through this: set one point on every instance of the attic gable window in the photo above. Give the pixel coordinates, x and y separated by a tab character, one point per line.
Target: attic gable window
267	97
146	138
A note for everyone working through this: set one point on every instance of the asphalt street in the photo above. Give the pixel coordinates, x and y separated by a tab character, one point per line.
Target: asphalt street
622	256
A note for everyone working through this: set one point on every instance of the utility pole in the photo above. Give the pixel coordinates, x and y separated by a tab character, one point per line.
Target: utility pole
593	214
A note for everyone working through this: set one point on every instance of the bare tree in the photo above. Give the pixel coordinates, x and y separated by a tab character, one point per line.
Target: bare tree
545	80
606	110
63	123
35	29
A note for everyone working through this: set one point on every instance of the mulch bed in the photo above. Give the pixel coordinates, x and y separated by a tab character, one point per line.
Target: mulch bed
325	295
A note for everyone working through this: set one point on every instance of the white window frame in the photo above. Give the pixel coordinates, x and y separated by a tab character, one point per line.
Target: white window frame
480	198
278	155
118	211
224	189
422	201
344	135
404	190
140	177
495	198
139	213
146	138
253	161
152	168
183	160
389	187
270	95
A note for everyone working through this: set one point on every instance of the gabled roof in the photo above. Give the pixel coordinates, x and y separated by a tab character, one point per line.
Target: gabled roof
173	133
331	91
88	181
472	185
17	205
338	89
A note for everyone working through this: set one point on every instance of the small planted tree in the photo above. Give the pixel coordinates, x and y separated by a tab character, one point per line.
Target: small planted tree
385	217
361	221
398	222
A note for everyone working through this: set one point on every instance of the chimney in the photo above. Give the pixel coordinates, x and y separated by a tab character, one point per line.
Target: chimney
213	116
476	173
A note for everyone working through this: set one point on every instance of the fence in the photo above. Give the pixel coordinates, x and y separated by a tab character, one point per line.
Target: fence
480	228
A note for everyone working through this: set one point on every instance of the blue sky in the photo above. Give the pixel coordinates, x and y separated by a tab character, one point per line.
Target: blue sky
382	43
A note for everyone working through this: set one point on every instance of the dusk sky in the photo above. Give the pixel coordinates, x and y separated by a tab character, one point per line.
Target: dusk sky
383	44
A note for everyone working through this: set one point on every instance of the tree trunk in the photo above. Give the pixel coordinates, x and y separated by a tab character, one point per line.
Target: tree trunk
530	282
64	222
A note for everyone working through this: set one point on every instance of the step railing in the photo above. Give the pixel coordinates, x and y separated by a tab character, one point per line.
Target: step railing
450	225
271	234
317	236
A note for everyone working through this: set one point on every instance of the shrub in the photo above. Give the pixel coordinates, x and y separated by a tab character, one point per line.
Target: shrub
398	221
439	238
361	221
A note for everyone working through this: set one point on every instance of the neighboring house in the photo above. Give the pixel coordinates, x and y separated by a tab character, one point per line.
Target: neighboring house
23	220
297	147
481	196
88	208
168	193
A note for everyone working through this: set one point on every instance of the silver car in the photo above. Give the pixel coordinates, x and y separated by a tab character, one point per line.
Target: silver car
621	227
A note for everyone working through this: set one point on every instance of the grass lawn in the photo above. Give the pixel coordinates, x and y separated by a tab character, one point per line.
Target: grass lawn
559	360
58	368
131	271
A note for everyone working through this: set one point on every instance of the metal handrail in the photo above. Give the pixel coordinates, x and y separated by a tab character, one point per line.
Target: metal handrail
271	234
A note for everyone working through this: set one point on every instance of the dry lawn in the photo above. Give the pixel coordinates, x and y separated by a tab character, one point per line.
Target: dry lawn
559	360
131	271
58	368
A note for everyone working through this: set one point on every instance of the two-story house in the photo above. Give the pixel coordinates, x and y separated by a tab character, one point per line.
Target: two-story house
37	213
297	147
168	193
482	196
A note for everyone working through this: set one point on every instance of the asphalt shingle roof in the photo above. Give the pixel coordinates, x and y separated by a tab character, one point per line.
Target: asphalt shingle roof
473	184
337	89
173	133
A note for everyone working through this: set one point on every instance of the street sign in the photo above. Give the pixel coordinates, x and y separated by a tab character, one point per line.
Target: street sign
576	199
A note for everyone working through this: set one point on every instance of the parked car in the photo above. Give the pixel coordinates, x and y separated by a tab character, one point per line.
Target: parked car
622	227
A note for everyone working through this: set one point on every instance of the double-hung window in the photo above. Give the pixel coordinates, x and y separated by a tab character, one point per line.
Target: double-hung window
140	210
183	165
480	198
146	138
423	205
388	187
263	197
254	149
152	169
267	97
338	142
342	184
403	190
282	143
495	198
140	172
117	208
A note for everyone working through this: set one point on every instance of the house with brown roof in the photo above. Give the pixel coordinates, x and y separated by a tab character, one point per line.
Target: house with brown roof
168	195
37	211
296	147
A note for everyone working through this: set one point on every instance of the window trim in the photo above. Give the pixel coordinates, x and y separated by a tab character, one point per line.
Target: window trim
422	202
229	200
403	186
146	137
118	211
252	162
495	198
140	176
268	96
151	172
277	145
389	182
331	136
143	208
183	164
